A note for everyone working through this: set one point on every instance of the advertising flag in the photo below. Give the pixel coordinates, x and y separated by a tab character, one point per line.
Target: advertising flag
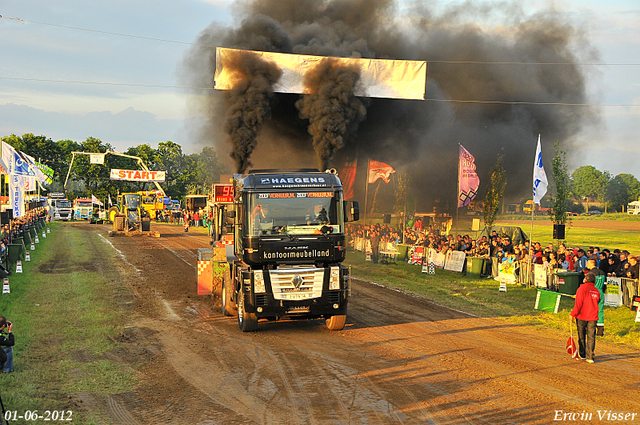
16	189
468	180
95	200
379	170
540	182
348	174
6	159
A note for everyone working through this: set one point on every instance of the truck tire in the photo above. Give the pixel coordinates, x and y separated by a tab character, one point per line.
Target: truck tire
113	212
145	224
118	224
228	306
248	322
336	323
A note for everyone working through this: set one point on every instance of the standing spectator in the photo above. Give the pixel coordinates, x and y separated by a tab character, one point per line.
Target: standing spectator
375	246
7	342
585	313
196	219
632	270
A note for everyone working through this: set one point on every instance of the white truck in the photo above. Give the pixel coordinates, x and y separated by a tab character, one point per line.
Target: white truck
60	208
633	208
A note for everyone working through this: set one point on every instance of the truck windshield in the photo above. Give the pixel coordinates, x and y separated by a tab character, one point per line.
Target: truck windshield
84	204
132	201
63	203
295	213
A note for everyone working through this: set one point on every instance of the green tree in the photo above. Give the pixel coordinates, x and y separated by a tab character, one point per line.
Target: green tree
587	183
561	186
495	192
209	167
617	193
633	187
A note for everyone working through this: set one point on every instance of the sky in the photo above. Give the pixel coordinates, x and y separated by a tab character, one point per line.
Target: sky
128	90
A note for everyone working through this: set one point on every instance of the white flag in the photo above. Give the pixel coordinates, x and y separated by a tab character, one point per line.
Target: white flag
540	182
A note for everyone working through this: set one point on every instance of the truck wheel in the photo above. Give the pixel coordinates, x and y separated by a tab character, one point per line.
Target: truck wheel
118	224
336	323
113	212
228	306
248	322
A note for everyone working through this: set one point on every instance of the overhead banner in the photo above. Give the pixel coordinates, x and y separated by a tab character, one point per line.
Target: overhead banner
386	78
137	175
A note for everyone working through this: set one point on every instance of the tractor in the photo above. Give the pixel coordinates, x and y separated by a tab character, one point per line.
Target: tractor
128	215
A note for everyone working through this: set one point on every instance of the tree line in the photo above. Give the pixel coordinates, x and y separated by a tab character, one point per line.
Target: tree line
185	174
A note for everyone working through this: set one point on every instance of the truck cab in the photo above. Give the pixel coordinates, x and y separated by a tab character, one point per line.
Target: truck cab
82	209
289	243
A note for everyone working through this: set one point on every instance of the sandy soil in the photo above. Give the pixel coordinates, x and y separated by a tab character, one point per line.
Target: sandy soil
400	360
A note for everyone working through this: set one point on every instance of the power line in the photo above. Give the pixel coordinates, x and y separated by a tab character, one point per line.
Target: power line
41	80
454	62
485	102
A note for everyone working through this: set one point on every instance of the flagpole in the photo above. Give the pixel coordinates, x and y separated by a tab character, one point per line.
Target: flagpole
366	191
458	191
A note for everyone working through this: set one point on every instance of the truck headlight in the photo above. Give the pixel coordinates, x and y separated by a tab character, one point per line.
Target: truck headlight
334	278
258	282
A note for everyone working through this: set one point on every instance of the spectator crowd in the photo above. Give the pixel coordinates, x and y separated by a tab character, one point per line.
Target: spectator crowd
498	248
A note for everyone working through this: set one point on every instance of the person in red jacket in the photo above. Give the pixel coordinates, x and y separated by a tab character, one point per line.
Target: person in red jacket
585	312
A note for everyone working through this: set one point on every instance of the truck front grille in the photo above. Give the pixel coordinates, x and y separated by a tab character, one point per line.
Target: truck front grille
296	284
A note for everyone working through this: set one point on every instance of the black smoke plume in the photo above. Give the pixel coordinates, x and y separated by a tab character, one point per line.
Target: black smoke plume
507	61
331	106
248	103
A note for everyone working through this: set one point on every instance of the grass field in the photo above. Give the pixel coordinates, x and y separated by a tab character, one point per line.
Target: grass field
65	319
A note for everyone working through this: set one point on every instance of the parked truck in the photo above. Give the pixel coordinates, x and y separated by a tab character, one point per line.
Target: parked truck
82	208
60	208
287	243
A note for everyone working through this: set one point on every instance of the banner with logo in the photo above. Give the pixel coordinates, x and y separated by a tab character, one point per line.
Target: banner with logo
96	158
540	182
137	175
454	261
507	271
16	195
435	257
468	180
613	296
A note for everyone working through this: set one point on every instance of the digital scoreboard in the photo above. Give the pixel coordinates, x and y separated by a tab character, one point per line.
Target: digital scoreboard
223	193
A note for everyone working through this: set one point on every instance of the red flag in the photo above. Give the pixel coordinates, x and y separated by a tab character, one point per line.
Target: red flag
348	174
379	170
571	347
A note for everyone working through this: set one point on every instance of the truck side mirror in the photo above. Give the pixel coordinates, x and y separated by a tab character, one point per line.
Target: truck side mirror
352	211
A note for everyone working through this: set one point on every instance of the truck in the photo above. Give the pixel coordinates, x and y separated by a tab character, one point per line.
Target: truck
82	209
281	235
60	208
194	202
633	208
152	202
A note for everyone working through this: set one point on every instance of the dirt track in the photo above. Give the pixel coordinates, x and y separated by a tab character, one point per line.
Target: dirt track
400	359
